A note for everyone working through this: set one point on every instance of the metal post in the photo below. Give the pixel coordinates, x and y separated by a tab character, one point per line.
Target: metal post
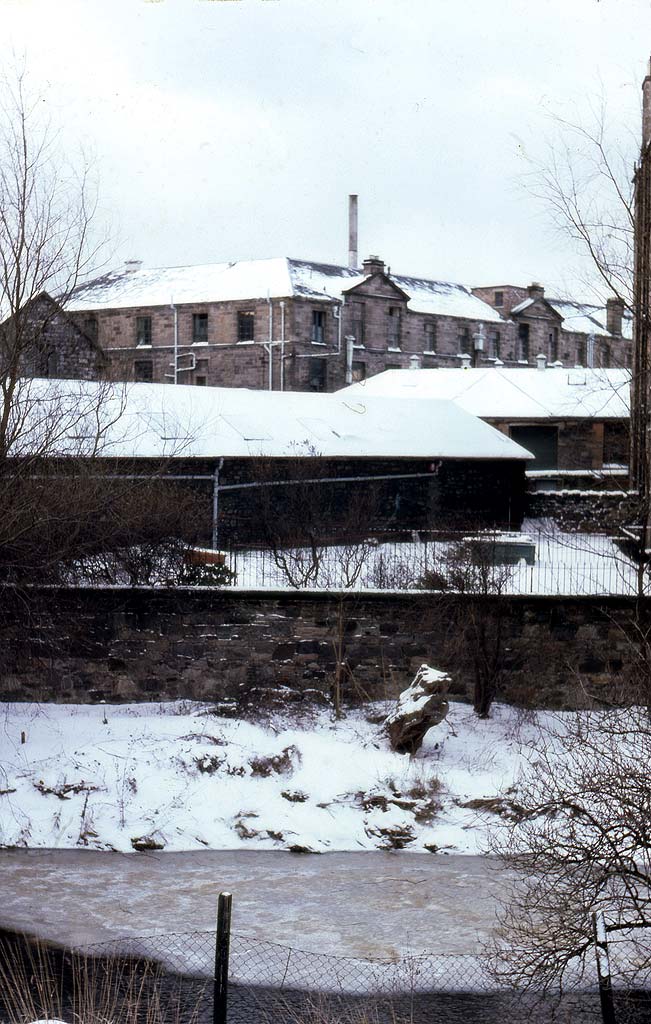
222	947
215	505
603	968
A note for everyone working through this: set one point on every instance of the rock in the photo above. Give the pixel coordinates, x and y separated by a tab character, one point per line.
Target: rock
419	707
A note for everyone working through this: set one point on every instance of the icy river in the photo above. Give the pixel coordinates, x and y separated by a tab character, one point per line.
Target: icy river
363	905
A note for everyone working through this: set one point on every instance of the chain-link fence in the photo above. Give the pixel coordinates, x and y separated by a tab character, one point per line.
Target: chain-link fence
270	983
170	979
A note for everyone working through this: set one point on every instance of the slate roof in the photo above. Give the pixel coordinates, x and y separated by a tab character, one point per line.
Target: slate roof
510	393
156	420
277	278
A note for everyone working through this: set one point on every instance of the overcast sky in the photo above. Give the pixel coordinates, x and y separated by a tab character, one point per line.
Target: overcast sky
233	129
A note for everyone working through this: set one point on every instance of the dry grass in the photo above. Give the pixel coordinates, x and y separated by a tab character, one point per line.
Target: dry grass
39	981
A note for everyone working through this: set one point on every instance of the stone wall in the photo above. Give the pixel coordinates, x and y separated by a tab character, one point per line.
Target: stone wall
589	511
150	645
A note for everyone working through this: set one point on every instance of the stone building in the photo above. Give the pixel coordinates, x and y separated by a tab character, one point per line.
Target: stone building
575	421
285	324
565	331
50	343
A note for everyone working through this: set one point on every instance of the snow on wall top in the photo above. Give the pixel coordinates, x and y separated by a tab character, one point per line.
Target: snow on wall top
500	392
255	279
154	420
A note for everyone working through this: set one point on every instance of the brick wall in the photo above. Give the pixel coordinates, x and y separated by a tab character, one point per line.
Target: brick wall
91	645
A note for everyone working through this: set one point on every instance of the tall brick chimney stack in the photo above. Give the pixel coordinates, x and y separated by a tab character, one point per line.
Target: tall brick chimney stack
646	108
614	315
353	256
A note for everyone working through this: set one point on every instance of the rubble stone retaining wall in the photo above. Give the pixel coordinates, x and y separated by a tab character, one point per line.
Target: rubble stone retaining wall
150	645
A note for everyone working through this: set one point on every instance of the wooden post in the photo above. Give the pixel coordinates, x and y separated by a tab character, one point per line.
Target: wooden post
222	947
603	968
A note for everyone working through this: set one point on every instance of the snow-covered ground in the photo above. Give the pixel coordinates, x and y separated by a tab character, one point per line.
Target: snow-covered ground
178	777
565	563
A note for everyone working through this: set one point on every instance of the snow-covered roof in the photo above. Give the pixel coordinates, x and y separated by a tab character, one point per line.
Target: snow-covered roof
580	316
154	420
511	393
277	278
521	306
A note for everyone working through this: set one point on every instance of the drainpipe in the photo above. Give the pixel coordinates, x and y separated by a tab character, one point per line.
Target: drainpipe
269	346
215	505
175	375
350	341
282	346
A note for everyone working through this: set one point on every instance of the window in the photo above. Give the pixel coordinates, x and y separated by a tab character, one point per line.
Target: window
393	327
358	322
581	352
199	328
499	299
604	354
90	327
318	327
143	370
463	340
359	370
318	374
553	345
493	344
246	325
430	336
143	330
523	343
392	366
201	372
51	363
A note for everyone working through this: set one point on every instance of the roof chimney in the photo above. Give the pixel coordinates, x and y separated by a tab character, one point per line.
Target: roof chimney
414	362
373	265
353	256
646	108
536	290
614	315
541	361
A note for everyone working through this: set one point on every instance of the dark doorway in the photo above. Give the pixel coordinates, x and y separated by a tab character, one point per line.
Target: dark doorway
541	442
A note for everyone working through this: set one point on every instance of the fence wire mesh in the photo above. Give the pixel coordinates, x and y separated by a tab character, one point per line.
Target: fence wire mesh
542	562
270	983
168	979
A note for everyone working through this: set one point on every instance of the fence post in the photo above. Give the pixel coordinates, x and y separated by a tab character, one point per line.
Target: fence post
222	947
603	968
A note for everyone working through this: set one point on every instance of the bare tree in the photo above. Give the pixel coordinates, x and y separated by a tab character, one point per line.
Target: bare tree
61	501
579	841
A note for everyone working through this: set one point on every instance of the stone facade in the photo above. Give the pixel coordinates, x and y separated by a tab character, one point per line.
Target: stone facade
57	346
226	343
202	644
